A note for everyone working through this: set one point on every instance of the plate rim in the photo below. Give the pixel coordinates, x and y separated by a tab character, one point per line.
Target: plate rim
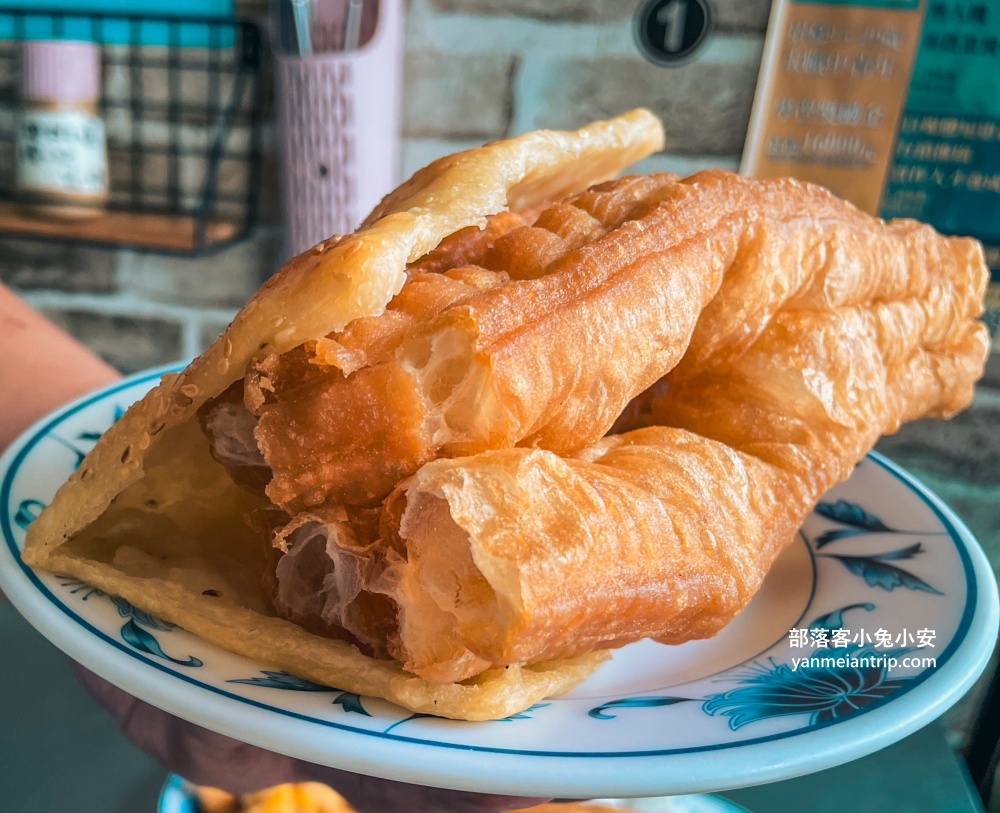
48	614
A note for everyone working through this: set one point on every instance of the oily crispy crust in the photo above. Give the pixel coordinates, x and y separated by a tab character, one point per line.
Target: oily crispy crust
316	293
345	278
666	532
743	271
151	546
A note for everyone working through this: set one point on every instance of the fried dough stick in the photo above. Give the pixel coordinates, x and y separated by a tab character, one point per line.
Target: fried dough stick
664	532
539	335
479	356
519	555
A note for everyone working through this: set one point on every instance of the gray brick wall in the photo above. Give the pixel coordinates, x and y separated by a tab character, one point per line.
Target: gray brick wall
459	96
40	265
730	15
139	309
559	63
480	69
129	341
706	107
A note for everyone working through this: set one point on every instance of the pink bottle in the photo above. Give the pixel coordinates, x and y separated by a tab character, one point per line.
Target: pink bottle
339	117
61	150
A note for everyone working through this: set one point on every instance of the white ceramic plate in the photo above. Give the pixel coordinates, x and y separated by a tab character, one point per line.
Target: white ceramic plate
879	554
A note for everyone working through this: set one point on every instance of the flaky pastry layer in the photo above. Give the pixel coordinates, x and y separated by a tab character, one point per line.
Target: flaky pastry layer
816	329
151	517
763	334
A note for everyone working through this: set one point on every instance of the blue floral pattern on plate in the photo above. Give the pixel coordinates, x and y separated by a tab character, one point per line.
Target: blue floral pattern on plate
877	553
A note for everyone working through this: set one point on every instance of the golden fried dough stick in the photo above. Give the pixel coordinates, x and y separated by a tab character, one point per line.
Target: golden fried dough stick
928	336
434	281
666	532
810	257
484	369
833	265
571	317
807	246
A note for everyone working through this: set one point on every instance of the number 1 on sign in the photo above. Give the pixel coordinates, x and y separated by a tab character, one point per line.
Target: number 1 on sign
672	17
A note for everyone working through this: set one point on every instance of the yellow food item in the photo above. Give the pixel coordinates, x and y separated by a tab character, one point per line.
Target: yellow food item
305	797
152	517
214	800
814	329
389	476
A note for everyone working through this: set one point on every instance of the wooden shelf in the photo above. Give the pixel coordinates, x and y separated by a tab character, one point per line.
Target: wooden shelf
132	229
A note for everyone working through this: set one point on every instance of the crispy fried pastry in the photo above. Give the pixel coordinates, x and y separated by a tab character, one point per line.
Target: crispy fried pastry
152	517
665	532
810	370
389	474
486	355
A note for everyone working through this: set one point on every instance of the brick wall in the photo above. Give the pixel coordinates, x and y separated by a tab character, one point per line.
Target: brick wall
483	69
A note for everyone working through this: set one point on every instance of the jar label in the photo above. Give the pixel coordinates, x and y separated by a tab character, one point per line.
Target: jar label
61	151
